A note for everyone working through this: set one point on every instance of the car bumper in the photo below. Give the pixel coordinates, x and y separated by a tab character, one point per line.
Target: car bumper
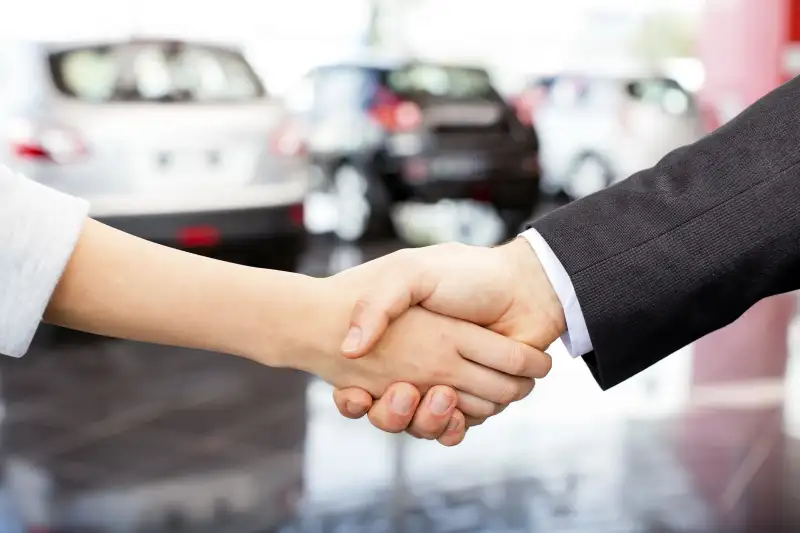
193	230
507	180
206	218
502	191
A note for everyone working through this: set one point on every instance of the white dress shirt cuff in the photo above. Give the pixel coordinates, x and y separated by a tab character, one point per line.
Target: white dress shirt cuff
576	339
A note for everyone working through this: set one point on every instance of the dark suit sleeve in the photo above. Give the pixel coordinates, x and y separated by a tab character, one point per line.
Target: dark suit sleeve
684	248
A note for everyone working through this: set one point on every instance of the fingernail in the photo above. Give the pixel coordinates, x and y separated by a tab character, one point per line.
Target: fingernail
353	409
440	403
453	425
353	340
402	403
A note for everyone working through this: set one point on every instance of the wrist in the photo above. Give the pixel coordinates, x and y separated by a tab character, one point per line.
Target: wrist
533	281
285	316
312	318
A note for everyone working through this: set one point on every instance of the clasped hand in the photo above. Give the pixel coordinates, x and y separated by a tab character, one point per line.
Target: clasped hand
465	326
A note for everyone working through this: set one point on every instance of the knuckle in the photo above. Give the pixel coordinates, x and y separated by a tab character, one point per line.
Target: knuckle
517	362
487	409
484	409
509	392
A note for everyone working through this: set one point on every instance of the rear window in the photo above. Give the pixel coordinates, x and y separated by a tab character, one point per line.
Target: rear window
441	81
154	72
666	93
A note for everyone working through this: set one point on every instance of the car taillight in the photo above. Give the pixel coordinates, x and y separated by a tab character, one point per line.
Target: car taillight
287	140
49	143
297	214
199	237
394	114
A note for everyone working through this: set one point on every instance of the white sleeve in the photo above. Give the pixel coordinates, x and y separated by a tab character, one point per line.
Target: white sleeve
576	339
39	228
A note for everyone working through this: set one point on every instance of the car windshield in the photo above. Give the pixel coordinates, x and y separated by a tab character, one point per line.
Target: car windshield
441	81
154	72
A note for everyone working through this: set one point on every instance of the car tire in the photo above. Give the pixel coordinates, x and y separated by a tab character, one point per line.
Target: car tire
588	174
363	205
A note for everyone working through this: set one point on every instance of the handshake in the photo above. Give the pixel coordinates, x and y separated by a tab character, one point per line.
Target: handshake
464	326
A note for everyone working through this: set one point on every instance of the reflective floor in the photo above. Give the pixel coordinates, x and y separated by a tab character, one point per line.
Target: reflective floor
110	436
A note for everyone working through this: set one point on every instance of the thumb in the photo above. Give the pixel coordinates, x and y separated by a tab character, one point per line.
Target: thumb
369	322
373	313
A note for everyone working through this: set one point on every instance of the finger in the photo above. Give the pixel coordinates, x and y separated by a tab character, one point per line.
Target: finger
456	430
394	411
510	357
352	403
434	413
475	407
489	384
373	313
474	422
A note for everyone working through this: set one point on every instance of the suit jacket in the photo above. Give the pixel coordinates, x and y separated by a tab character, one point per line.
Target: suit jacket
684	248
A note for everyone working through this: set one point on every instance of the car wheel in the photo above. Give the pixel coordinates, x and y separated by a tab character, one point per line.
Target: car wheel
589	174
361	205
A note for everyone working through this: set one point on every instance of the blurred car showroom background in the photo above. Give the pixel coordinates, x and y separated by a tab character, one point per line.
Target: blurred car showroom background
313	135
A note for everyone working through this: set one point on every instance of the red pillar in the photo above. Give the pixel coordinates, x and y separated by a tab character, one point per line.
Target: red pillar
747	49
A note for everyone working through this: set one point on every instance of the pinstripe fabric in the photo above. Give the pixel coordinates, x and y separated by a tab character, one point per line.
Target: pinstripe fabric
684	248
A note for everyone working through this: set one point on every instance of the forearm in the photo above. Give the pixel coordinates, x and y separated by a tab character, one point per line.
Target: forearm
684	248
121	286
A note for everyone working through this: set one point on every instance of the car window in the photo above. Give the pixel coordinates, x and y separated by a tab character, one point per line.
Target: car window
441	81
666	93
154	72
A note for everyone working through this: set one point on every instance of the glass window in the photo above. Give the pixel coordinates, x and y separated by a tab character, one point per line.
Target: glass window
441	81
666	93
154	72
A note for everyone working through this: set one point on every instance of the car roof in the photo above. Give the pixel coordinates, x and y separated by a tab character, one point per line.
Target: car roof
60	45
391	63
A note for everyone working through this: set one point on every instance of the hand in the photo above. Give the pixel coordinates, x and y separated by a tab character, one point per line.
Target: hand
504	289
425	349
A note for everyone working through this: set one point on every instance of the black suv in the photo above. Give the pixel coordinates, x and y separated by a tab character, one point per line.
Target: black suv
416	131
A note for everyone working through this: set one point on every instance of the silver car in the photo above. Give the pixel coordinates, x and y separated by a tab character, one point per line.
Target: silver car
177	142
596	130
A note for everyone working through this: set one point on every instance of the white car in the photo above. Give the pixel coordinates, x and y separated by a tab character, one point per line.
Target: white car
595	130
173	141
